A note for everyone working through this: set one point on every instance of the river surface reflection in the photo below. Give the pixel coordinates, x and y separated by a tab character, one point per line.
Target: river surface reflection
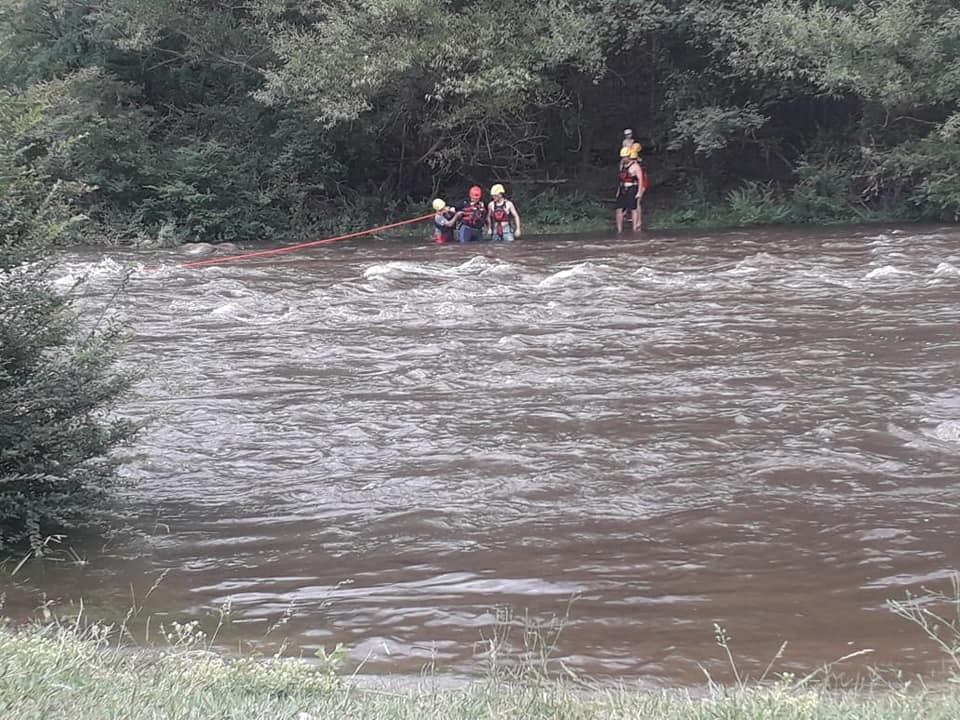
408	448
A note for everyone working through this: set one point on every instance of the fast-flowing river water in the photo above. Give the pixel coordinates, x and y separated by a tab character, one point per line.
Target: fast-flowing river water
420	451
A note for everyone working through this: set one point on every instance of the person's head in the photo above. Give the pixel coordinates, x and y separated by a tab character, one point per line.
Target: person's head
628	134
497	191
635	149
476	192
439	205
624	154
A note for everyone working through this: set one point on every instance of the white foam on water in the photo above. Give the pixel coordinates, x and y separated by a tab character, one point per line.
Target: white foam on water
947	431
945	269
73	273
396	270
581	270
227	310
885	273
475	265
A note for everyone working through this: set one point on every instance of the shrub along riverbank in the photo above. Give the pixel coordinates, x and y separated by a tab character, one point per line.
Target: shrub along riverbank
58	672
172	121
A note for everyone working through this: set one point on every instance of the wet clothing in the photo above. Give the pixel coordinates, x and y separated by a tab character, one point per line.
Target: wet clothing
627	197
469	234
472	220
629	187
443	233
474	213
627	178
501	218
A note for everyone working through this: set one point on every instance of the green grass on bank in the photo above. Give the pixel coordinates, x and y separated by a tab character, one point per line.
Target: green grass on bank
59	671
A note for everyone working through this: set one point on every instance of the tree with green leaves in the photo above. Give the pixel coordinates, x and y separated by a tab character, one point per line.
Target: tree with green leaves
58	379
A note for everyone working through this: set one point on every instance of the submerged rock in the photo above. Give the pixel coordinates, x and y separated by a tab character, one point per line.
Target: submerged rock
197	248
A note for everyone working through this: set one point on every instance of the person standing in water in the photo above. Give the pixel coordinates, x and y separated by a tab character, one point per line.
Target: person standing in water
444	222
473	216
503	220
629	189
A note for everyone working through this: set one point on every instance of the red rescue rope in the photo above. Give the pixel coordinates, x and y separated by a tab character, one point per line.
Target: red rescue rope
301	246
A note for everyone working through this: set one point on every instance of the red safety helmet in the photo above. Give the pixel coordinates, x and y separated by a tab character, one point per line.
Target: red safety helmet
476	192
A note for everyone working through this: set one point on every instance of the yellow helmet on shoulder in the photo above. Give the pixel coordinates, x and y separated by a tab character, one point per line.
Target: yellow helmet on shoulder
497	189
439	205
624	152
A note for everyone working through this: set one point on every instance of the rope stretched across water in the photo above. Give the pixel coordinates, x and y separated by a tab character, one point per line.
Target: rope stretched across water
301	246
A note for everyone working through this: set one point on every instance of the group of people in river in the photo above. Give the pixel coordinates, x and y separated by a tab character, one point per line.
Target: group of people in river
472	220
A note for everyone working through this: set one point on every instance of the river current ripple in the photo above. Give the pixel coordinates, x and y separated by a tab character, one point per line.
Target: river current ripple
418	450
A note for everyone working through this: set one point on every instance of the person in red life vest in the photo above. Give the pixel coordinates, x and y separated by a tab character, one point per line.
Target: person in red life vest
503	220
473	216
444	222
629	189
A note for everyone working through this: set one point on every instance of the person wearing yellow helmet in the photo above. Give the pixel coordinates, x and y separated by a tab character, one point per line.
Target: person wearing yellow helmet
630	189
503	220
629	142
444	221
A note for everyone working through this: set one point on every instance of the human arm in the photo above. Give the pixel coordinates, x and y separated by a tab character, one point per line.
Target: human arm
516	218
637	171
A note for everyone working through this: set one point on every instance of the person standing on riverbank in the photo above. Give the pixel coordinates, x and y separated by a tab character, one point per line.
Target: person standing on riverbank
629	189
503	220
473	216
632	145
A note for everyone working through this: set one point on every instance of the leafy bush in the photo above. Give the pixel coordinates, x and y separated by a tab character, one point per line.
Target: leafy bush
55	387
56	382
756	203
552	211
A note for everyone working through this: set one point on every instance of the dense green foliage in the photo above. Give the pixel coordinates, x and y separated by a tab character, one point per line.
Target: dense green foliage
56	381
54	386
199	119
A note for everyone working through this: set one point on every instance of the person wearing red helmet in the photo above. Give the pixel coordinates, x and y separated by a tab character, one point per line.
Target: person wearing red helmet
473	216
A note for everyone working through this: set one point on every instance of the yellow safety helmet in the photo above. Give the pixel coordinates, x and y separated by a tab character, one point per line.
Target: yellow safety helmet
497	189
635	150
624	152
439	205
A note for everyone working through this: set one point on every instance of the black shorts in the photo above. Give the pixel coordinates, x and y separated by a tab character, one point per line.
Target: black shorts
627	199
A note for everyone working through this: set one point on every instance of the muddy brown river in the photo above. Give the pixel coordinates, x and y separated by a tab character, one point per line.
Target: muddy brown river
421	451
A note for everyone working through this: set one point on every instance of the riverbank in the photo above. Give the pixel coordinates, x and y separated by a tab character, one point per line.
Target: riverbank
60	671
591	211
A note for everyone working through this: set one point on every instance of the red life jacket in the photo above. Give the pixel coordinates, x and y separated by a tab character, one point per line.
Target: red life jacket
627	177
474	214
500	213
